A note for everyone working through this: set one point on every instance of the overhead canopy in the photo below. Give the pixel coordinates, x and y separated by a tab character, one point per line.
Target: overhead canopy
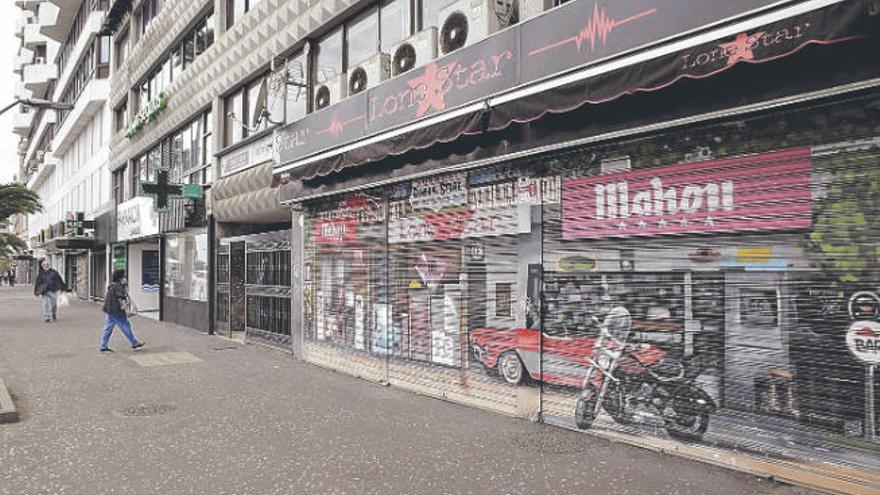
840	24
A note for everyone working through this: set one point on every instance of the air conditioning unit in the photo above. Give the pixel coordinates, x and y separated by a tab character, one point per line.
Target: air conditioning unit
466	22
331	91
369	73
534	8
39	60
415	51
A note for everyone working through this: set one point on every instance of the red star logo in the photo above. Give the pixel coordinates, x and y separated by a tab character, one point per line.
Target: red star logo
433	81
741	47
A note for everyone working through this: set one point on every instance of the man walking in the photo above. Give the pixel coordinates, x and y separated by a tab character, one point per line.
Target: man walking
47	285
115	304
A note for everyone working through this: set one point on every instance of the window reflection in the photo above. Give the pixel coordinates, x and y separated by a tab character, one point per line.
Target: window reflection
363	38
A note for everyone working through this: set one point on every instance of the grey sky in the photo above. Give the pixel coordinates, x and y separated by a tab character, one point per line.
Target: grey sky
8	48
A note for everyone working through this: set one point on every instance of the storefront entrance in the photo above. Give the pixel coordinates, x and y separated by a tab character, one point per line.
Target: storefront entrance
758	375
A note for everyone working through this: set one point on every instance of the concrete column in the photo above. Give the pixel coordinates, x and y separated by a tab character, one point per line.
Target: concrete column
296	284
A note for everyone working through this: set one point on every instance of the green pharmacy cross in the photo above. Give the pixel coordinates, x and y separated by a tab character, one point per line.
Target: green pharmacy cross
163	190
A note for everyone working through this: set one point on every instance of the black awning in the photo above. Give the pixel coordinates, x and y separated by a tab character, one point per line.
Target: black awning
76	243
842	23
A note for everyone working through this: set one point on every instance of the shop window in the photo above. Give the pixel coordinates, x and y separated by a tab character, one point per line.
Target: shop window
186	266
362	34
503	300
328	57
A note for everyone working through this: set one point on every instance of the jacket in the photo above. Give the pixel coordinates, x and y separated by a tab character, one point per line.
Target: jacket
114	302
48	281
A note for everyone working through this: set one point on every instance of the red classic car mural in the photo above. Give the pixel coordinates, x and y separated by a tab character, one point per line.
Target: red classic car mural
515	353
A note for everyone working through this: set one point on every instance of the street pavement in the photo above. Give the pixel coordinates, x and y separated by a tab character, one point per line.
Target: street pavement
197	414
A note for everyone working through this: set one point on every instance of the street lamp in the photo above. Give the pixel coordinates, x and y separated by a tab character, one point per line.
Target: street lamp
37	103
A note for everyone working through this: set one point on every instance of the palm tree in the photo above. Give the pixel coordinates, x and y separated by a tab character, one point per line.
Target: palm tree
15	198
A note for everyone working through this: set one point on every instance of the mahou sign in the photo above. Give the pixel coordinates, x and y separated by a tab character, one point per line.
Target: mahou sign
769	191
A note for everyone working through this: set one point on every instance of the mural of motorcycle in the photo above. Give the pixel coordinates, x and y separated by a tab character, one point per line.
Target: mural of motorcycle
625	378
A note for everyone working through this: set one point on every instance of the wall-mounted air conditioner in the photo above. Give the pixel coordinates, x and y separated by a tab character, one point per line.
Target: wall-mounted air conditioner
39	60
415	51
331	91
466	22
369	73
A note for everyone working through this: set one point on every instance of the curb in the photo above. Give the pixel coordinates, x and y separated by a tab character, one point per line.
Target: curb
8	412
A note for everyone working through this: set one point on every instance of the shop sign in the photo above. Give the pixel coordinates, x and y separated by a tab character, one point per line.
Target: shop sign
573	35
248	156
578	263
335	231
436	193
136	218
770	191
863	340
474	251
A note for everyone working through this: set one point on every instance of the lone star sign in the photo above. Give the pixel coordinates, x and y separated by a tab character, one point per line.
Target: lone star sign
163	190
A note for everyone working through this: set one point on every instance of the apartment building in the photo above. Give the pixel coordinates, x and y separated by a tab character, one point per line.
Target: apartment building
64	153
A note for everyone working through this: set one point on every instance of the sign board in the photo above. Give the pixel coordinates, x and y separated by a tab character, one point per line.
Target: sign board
769	191
574	35
136	218
863	340
246	157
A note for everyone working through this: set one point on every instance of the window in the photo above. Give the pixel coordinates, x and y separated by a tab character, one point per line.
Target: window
430	10
234	10
503	304
121	116
328	57
186	265
296	98
121	49
363	37
147	13
395	21
253	113
234	108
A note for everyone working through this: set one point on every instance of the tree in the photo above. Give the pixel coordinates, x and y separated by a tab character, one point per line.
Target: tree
15	198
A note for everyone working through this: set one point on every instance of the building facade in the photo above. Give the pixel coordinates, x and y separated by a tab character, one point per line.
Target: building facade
64	153
447	196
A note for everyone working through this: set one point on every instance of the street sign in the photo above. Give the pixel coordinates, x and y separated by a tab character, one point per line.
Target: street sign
863	340
163	190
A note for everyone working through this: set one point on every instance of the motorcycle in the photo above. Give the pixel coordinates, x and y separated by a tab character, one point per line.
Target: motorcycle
623	377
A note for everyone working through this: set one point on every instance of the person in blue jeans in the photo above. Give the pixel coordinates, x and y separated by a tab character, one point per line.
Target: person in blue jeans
114	305
46	287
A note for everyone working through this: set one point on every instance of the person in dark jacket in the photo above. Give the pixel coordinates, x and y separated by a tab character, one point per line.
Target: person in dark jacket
115	303
47	286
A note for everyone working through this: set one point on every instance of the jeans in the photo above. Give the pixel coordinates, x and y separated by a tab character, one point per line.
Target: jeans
50	304
124	325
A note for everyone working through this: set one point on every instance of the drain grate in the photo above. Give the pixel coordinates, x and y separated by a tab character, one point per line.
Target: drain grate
551	442
225	348
146	410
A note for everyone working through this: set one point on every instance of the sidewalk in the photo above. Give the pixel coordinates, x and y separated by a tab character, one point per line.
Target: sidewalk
198	414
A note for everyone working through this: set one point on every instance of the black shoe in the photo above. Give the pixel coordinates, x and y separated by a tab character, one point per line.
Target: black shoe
106	349
137	346
54	317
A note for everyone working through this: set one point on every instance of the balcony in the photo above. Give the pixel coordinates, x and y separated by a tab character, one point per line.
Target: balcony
55	22
33	36
88	103
22	122
38	75
21	92
44	169
23	58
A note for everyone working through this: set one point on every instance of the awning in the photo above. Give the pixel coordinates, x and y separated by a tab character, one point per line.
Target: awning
248	197
843	22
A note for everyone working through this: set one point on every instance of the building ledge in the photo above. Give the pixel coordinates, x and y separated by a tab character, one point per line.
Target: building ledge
89	103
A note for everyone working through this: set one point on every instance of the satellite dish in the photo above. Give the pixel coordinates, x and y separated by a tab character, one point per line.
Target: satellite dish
260	110
454	33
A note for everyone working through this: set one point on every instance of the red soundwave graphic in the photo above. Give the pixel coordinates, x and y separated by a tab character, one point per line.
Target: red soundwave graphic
597	30
337	125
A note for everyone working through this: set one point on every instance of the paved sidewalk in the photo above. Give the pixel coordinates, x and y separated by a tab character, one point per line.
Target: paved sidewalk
192	414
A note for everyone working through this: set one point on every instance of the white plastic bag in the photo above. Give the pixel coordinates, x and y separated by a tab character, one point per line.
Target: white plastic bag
63	300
